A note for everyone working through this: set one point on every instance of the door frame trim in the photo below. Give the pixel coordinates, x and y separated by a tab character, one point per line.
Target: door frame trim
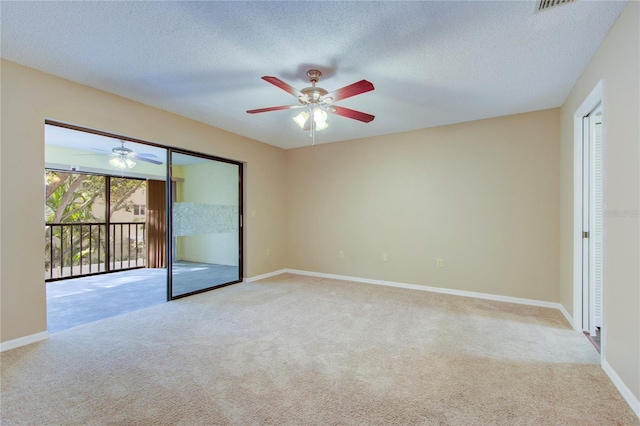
595	97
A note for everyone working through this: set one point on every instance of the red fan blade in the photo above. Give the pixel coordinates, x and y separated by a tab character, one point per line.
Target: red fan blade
350	113
284	86
276	108
354	89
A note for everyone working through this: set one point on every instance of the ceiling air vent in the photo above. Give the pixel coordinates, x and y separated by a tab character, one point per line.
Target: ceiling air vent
548	4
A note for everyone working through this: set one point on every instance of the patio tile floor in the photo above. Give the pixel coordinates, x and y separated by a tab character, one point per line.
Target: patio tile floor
79	301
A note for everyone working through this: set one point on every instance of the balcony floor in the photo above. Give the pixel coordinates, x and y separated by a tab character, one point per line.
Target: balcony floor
79	301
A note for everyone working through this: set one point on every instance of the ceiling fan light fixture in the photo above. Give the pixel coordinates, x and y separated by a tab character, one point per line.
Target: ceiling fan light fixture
321	126
122	162
319	117
301	118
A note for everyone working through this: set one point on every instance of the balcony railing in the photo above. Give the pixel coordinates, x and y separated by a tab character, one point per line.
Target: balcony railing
81	249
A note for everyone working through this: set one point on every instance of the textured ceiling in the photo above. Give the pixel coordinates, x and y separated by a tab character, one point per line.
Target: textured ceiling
432	63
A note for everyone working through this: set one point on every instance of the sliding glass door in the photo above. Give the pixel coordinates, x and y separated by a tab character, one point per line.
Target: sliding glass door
205	222
129	224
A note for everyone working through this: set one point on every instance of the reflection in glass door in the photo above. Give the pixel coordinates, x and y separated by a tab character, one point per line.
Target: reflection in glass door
205	223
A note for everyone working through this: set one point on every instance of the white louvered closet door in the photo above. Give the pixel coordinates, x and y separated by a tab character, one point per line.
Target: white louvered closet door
596	220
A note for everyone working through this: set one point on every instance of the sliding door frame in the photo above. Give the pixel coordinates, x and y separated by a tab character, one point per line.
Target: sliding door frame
169	233
169	198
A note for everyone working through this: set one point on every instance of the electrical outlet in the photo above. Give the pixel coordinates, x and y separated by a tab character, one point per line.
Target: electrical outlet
341	254
253	213
439	263
268	252
385	258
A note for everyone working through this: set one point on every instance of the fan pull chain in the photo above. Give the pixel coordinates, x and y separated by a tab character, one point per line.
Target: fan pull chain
312	126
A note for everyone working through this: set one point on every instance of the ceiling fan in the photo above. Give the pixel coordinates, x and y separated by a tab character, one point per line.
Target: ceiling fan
125	158
317	102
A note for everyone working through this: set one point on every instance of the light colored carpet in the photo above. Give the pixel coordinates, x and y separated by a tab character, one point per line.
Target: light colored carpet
299	350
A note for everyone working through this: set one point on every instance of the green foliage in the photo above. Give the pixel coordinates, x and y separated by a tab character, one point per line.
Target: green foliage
73	198
121	190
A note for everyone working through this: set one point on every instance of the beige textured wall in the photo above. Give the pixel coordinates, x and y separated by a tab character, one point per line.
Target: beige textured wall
617	63
28	97
483	196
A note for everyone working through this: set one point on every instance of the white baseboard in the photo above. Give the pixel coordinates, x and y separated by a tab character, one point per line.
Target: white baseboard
626	393
487	296
263	276
333	276
568	317
476	295
23	341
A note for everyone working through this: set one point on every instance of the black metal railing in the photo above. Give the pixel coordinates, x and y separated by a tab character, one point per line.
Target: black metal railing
80	249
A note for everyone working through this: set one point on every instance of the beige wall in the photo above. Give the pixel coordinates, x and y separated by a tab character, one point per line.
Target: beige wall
483	196
28	97
617	63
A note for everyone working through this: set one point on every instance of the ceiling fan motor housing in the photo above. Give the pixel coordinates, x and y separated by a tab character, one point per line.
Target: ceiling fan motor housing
313	94
122	151
314	76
